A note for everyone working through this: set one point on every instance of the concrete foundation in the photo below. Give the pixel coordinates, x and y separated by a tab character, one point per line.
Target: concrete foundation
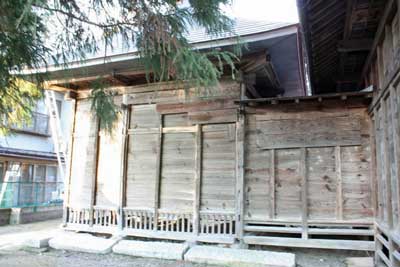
161	250
35	214
239	257
83	243
5	216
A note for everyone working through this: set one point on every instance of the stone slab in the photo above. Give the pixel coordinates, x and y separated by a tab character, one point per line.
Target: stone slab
239	257
83	243
38	241
160	250
360	262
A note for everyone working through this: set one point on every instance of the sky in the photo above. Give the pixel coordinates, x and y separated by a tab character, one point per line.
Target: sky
269	10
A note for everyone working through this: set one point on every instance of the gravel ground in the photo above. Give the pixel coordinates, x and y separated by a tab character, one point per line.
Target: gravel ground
18	256
57	258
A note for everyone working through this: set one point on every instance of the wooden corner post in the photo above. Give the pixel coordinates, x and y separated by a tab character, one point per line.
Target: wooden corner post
67	180
197	181
158	173
124	160
240	134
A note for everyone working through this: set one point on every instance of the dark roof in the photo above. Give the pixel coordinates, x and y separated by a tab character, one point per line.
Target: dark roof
338	36
242	27
27	154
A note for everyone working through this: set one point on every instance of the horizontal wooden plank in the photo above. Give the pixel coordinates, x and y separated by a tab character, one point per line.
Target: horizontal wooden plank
310	243
215	116
174	108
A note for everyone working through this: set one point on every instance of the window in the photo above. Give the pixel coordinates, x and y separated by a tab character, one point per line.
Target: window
51	174
2	165
40	173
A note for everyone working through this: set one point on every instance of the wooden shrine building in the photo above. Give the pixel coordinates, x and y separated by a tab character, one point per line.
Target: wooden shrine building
260	160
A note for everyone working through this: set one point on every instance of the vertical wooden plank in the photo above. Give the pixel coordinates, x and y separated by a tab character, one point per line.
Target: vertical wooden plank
373	170
339	186
380	66
94	178
304	204
197	181
240	133
158	173
272	186
67	180
379	190
395	113
386	166
126	110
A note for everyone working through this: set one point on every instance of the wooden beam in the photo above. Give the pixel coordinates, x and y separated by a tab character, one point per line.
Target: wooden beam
339	183
395	96
378	37
67	181
124	163
158	172
239	213
394	116
94	178
272	186
386	166
310	243
355	45
373	170
304	203
197	181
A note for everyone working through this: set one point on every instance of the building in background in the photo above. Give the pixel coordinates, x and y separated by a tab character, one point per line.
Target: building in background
29	169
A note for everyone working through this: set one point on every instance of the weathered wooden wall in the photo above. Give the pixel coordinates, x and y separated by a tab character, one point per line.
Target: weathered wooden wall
308	166
384	74
183	164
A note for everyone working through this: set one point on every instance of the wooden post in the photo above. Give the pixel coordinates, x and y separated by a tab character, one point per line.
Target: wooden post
158	172
94	178
339	183
304	203
197	182
240	133
395	113
124	163
379	189
67	181
373	172
386	166
272	186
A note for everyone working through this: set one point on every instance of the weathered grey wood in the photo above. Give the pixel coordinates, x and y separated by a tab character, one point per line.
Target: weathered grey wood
215	116
304	202
309	133
374	173
240	133
67	182
339	186
158	174
94	177
386	166
394	120
272	186
310	243
124	162
197	181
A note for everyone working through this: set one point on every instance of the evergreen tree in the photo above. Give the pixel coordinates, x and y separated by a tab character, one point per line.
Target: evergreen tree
35	33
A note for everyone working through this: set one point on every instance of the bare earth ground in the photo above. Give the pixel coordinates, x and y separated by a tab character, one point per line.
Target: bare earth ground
13	254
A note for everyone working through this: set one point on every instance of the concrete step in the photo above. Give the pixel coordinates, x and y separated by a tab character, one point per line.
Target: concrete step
239	257
360	262
160	250
83	243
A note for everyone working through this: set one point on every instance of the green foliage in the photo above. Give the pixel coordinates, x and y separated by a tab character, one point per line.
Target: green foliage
104	106
36	32
21	46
